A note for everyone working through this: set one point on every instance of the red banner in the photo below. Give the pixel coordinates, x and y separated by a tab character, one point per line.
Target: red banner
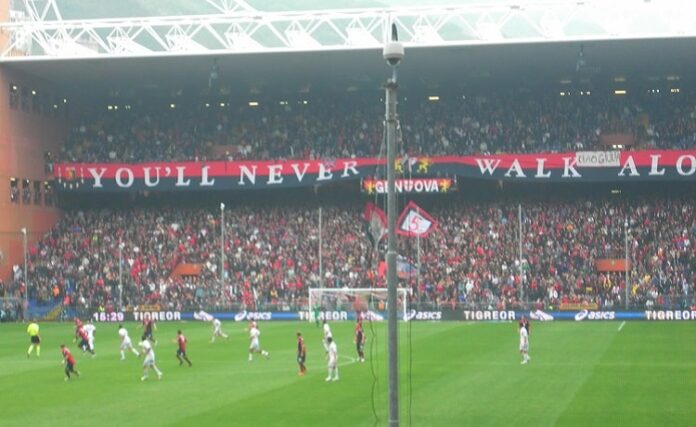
594	166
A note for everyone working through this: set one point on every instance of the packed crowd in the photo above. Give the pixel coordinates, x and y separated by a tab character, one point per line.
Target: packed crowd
516	123
272	256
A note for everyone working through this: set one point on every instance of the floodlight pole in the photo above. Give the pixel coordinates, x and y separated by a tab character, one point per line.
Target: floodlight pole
390	120
222	246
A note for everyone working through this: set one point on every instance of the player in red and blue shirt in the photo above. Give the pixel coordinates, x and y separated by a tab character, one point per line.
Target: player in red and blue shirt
301	354
181	351
78	326
69	362
150	328
359	340
84	341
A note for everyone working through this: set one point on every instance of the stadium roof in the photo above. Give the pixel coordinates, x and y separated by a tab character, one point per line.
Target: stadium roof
493	44
646	62
38	29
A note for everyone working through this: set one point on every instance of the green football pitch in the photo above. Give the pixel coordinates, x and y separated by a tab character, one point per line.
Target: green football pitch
452	374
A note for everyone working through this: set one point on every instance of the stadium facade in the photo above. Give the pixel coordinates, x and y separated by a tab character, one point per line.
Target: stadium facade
54	71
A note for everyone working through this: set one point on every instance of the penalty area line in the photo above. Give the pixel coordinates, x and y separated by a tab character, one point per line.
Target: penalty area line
622	325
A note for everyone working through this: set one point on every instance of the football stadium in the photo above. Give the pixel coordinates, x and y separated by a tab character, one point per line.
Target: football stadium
348	213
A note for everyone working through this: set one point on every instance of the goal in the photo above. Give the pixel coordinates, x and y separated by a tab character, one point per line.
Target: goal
11	309
370	302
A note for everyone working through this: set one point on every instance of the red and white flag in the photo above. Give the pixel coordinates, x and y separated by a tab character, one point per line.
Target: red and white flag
414	221
376	220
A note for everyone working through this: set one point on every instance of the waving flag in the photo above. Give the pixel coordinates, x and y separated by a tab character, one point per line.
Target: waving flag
405	269
376	222
414	221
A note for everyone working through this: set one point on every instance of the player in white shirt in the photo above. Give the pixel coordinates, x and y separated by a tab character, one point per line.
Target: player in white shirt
327	335
524	345
89	329
126	343
217	330
149	361
332	358
254	346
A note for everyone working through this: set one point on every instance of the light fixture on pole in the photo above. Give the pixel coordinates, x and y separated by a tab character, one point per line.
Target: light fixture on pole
393	53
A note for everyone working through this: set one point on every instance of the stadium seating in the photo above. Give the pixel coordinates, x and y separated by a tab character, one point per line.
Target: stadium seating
495	123
471	260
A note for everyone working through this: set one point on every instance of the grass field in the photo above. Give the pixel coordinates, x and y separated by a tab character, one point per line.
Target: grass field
581	374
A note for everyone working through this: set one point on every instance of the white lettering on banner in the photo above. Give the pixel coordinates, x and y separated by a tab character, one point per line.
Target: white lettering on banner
569	167
119	177
349	165
680	164
427	185
250	174
97	176
297	172
148	181
180	177
253	315
517	169
598	159
601	165
422	315
488	166
275	174
595	315
670	314
324	315
489	315
540	169
631	165
654	162
157	316
205	182
324	173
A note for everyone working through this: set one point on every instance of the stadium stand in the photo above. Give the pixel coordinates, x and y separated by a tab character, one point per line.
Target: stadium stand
471	260
491	123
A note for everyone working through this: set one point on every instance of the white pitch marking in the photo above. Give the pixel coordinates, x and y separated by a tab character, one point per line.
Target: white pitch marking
622	325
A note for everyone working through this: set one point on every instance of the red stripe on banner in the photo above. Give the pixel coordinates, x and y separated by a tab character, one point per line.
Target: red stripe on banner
655	159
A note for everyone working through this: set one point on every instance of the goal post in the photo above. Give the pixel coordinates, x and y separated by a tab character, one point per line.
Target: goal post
371	302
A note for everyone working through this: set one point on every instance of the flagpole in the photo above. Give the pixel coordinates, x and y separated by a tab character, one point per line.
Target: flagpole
519	221
418	252
321	255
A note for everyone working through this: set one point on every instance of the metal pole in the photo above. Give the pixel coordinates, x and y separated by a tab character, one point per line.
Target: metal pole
321	256
26	274
418	254
519	220
627	262
392	325
222	246
120	275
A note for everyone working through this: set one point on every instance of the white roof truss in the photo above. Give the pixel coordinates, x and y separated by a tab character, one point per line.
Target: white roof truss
38	31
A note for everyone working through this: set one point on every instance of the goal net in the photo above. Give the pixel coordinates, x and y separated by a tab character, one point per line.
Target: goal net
370	303
11	309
